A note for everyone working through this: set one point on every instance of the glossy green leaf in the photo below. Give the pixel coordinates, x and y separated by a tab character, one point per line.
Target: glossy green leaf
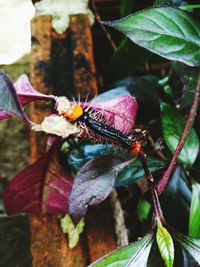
165	245
134	170
135	254
188	260
119	67
172	126
191	245
166	31
194	221
189	7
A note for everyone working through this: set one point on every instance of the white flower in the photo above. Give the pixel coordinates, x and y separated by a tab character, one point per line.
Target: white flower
58	125
63	105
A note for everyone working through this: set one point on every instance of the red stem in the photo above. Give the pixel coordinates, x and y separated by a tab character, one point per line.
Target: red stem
189	123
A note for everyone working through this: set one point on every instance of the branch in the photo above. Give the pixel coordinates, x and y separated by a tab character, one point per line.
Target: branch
156	203
189	123
107	34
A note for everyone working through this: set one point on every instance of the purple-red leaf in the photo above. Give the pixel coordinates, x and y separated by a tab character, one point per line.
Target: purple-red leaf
9	103
43	187
119	112
26	93
94	183
13	97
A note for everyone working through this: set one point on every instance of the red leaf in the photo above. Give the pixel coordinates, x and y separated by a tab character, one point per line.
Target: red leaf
26	93
119	112
9	102
21	93
43	187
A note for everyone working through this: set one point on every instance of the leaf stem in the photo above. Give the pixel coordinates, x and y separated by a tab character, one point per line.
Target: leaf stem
156	203
189	123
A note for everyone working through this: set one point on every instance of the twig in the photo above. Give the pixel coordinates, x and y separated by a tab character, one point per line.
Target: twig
159	153
189	123
156	203
108	36
120	227
155	66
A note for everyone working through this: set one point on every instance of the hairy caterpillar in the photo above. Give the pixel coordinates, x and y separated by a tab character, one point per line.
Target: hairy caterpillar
90	119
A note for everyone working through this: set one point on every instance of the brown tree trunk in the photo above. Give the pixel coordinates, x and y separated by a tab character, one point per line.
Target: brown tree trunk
55	68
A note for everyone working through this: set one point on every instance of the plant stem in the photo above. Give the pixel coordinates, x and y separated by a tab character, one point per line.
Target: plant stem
156	203
189	123
107	34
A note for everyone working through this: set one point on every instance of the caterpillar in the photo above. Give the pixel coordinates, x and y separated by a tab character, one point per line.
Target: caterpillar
78	114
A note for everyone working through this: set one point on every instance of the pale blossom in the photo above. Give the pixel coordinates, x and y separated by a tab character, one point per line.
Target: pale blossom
57	125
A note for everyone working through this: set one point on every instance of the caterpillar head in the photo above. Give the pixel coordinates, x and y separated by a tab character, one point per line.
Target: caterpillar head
68	109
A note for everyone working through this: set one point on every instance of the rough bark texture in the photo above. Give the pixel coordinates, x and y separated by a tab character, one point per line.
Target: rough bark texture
62	75
83	62
100	231
49	245
64	64
40	75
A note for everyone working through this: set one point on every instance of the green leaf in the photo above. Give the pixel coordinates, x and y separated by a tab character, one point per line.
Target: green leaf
191	245
188	77
119	67
134	170
166	87
165	244
166	31
176	199
135	254
162	3
79	156
174	3
143	209
172	126
194	221
126	7
189	7
73	231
